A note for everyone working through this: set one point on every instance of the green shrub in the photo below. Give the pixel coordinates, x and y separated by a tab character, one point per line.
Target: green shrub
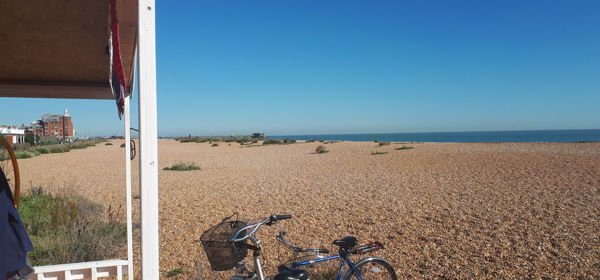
183	166
288	141
26	154
70	229
43	150
49	140
174	272
321	150
404	148
379	153
21	147
384	143
270	141
59	149
122	145
214	144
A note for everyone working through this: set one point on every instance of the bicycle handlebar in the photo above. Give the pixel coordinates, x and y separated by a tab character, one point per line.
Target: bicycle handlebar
269	221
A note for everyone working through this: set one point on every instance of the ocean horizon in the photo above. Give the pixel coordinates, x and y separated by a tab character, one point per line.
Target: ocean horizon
566	135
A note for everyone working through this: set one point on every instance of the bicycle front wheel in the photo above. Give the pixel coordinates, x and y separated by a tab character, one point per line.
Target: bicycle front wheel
10	168
372	269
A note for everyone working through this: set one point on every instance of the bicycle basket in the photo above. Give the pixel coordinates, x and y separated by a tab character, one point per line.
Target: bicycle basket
220	251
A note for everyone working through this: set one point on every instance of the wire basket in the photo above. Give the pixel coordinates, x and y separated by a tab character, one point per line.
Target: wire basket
220	251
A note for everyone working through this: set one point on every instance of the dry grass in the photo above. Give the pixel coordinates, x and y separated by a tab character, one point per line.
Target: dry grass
442	210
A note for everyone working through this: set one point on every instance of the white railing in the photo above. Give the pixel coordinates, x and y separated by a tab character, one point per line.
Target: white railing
85	270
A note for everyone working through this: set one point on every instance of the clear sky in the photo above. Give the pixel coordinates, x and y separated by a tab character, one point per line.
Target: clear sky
317	67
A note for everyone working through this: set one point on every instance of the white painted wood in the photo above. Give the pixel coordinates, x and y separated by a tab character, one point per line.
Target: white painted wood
119	273
127	117
148	139
93	270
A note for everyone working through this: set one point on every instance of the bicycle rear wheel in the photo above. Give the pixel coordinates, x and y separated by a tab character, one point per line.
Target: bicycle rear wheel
10	168
372	269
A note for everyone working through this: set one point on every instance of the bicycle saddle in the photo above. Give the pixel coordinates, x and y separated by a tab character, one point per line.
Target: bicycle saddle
286	273
346	242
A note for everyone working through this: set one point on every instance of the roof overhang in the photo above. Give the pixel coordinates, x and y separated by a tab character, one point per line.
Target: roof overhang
58	48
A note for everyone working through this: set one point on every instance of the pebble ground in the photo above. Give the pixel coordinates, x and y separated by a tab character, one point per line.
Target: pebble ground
442	210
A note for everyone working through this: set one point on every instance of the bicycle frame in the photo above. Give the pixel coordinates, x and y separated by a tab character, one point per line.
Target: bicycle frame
343	263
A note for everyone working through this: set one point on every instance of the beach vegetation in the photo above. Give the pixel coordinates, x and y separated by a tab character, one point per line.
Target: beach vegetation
183	166
48	140
384	143
70	229
310	140
122	145
404	148
108	144
214	144
270	141
239	139
43	150
59	149
321	150
26	154
379	153
31	138
174	272
26	150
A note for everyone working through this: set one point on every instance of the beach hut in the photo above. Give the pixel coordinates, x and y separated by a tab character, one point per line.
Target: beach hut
88	50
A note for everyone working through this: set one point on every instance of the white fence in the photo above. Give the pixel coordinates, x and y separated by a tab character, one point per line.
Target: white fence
86	270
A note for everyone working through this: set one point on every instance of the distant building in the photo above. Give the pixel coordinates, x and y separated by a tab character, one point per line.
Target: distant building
14	134
258	135
59	126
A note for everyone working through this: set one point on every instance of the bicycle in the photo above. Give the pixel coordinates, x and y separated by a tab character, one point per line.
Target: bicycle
225	255
10	167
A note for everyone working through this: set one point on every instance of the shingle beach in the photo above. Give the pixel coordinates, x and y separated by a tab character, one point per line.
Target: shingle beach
442	210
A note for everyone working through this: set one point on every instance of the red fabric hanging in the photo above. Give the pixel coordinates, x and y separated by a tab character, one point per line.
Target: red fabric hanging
117	64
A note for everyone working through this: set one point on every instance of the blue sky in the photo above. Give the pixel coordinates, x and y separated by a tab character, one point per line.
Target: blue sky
316	67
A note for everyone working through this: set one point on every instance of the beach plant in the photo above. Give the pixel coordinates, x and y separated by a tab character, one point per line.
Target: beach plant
59	149
26	154
214	144
321	150
404	148
270	141
108	144
69	229
183	166
48	140
122	145
43	150
174	272
379	153
384	143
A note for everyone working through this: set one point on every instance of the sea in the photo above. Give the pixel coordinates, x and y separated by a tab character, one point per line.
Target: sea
570	135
